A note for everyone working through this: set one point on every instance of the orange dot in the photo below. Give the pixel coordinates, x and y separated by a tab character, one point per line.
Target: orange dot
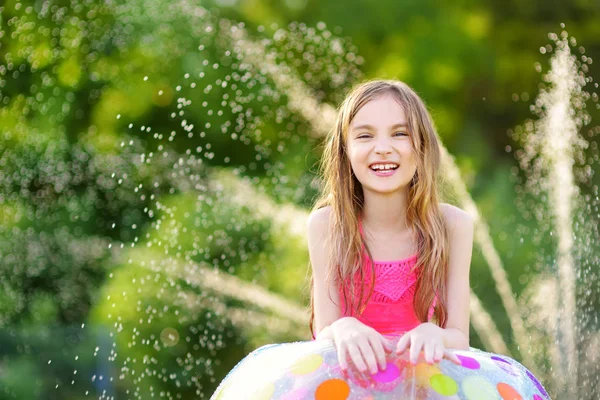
332	389
424	372
508	392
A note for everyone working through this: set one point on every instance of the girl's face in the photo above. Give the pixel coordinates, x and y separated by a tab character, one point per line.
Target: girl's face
380	148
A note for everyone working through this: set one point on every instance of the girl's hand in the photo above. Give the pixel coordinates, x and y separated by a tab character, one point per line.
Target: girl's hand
429	338
366	347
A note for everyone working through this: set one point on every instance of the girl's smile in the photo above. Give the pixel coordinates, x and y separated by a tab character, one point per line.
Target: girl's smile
384	169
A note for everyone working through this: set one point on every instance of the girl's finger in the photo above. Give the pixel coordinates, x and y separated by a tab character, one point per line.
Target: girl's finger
379	351
357	358
368	355
415	350
439	353
403	343
429	350
452	357
387	346
342	352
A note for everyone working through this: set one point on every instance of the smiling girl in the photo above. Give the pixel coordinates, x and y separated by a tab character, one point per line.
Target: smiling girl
380	203
390	282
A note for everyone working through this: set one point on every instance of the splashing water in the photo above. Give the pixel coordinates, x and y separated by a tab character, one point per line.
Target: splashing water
552	150
170	207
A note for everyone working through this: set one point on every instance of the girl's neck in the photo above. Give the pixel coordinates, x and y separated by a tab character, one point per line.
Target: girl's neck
386	212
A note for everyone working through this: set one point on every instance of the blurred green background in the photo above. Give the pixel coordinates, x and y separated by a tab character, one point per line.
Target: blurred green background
155	175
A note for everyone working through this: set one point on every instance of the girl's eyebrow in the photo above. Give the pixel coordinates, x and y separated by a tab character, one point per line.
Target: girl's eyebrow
371	127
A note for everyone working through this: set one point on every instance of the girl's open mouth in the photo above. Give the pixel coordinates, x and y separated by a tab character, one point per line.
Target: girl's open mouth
387	169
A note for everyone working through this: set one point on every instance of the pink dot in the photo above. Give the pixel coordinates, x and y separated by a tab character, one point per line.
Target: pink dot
468	362
391	372
537	397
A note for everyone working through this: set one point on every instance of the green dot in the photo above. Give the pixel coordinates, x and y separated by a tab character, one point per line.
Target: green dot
444	385
478	388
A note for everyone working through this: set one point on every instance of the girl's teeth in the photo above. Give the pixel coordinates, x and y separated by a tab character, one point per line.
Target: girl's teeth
383	168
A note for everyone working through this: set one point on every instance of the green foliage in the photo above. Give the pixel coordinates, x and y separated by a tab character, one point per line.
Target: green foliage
47	361
165	333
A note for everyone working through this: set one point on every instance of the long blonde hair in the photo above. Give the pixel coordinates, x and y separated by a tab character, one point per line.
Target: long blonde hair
343	193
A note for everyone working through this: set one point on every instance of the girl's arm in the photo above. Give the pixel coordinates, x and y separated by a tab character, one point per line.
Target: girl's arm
353	340
325	333
325	294
460	231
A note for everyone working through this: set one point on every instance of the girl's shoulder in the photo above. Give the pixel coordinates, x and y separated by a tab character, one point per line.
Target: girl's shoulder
456	218
320	215
318	221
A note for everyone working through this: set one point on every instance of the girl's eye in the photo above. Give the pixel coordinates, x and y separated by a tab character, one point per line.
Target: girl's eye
366	135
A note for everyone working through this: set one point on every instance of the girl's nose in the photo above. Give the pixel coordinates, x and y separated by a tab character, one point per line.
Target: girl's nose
383	151
383	147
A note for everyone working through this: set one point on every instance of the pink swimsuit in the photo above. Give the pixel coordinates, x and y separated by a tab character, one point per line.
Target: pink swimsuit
390	307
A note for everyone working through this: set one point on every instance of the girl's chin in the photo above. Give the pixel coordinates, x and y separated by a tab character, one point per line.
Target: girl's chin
385	185
385	189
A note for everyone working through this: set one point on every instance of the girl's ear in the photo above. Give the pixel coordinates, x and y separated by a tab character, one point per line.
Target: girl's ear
415	179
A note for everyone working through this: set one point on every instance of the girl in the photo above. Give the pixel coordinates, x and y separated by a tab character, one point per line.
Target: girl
381	327
380	203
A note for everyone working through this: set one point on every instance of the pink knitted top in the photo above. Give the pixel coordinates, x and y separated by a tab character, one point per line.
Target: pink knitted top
390	307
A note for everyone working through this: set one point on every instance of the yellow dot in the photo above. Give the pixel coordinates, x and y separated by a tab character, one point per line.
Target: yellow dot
307	364
220	394
265	393
444	385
